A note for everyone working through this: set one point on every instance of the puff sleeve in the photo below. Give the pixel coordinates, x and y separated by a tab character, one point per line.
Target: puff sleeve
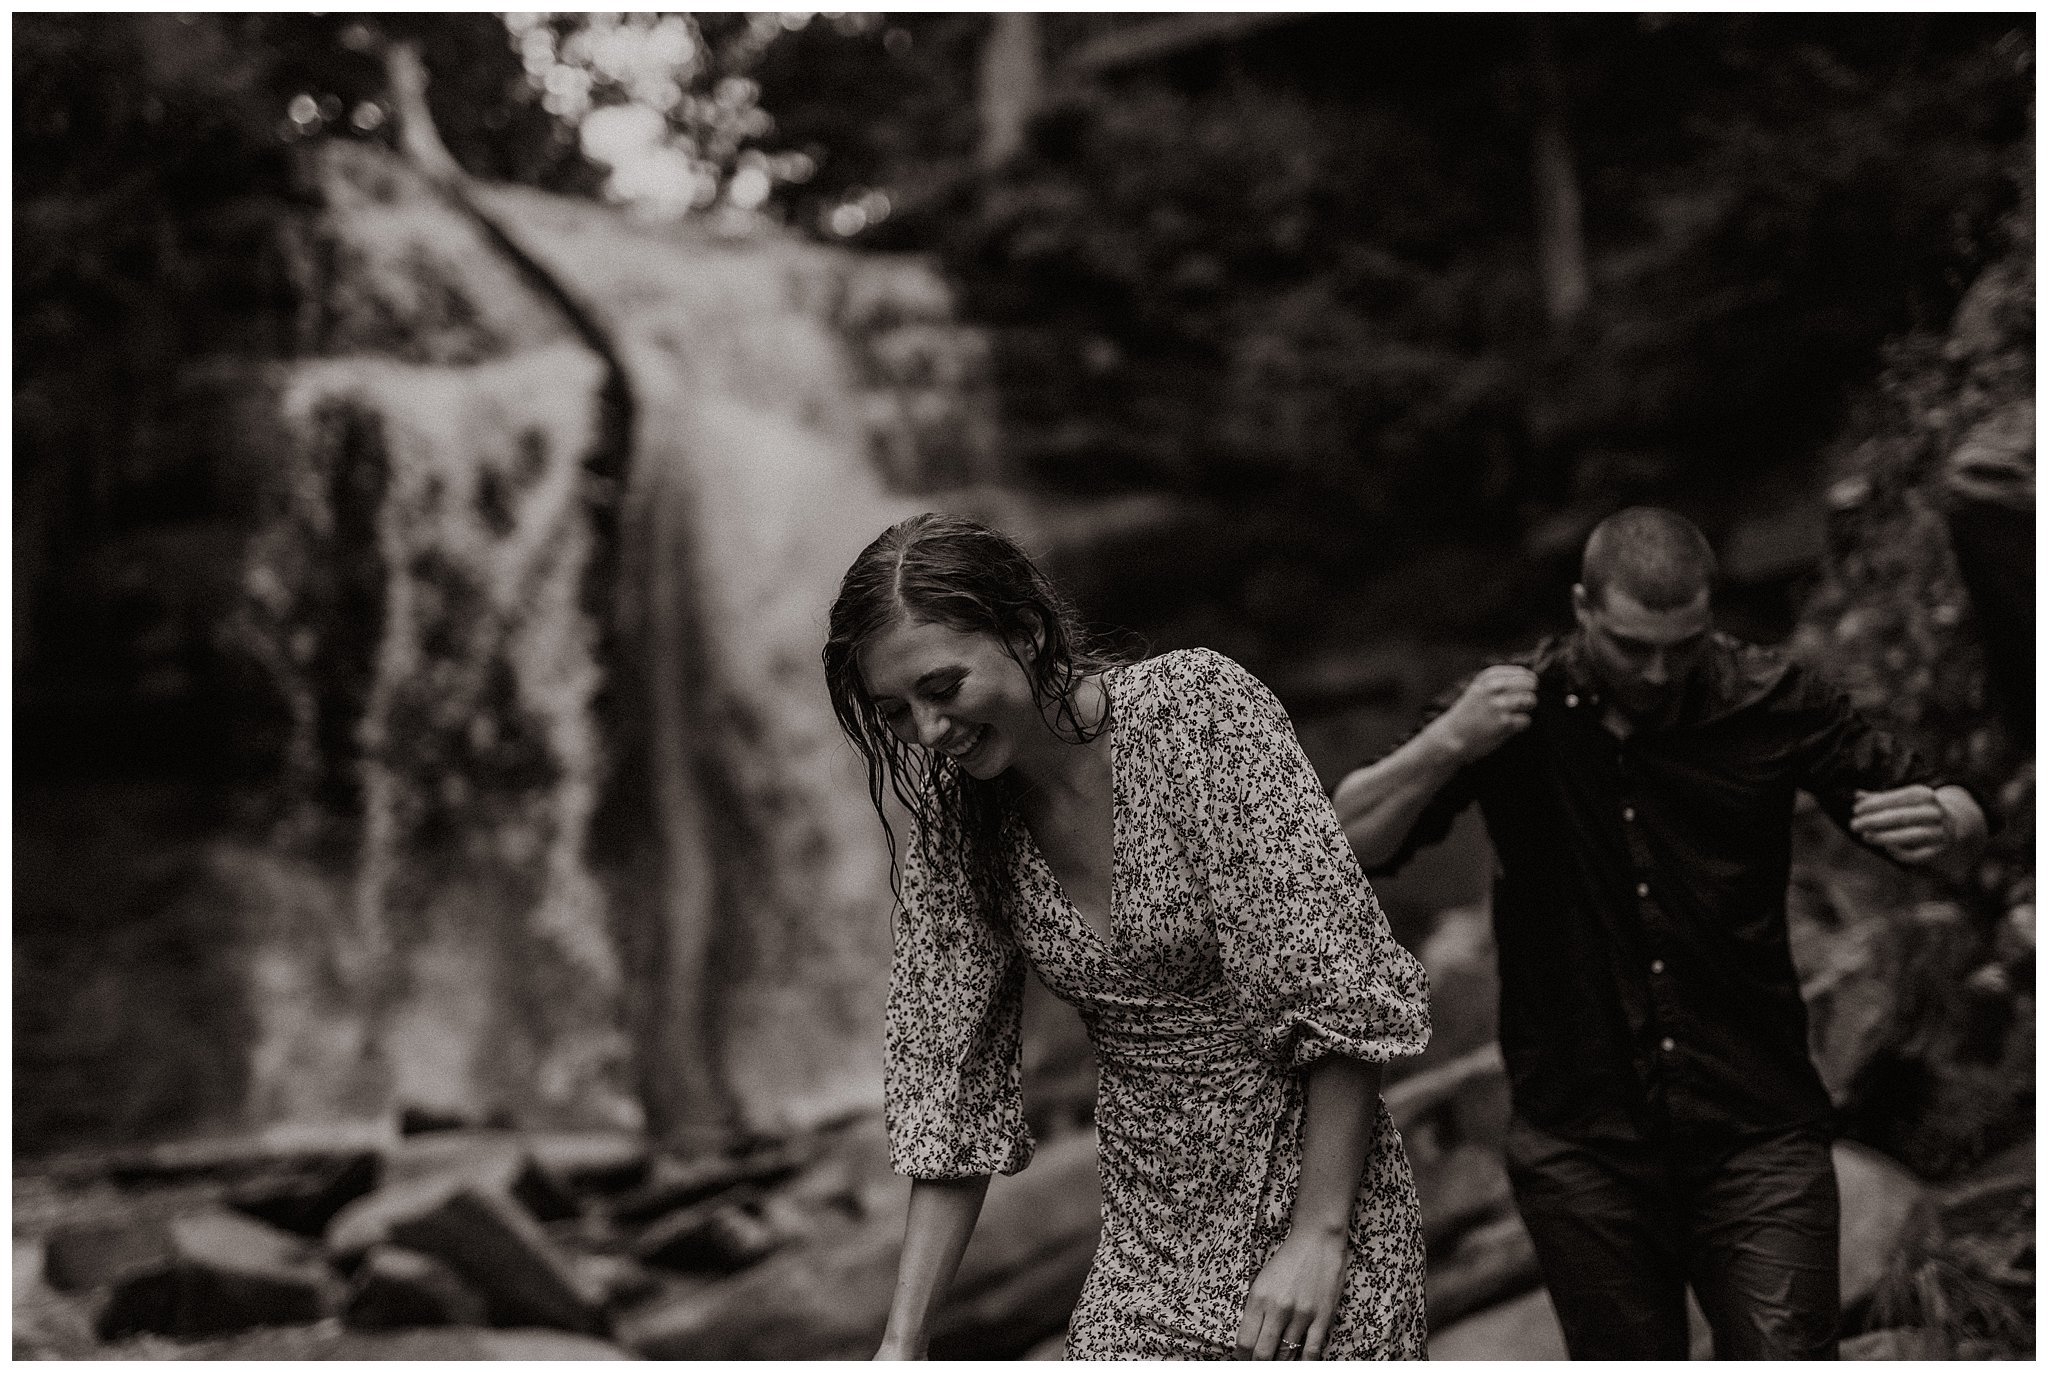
953	1047
1302	938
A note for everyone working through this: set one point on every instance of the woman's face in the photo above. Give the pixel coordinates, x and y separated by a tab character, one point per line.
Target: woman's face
959	694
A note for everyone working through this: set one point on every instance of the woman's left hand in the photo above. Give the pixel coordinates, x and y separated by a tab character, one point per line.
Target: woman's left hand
1294	1298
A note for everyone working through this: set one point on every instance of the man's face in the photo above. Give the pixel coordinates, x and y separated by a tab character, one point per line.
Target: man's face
1642	657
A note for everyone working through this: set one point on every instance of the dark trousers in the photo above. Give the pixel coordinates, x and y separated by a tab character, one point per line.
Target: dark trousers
1621	1229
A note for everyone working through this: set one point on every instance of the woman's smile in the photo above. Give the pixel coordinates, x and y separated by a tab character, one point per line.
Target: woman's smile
964	748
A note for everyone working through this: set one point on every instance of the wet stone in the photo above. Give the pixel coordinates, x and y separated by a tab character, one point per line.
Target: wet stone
77	1258
715	1237
303	1199
399	1289
221	1272
674	1184
499	1250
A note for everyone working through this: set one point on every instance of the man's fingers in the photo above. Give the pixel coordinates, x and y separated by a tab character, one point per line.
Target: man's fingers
1870	802
1889	821
1902	805
1899	840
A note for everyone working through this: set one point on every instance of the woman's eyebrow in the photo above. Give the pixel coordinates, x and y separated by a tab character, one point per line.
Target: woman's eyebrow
940	672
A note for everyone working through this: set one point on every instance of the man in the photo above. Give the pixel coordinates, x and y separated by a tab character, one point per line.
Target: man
1637	778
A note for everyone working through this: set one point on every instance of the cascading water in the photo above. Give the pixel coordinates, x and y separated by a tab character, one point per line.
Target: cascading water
417	600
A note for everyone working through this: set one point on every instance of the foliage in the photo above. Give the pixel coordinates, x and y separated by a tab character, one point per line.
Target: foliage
1968	1279
1293	278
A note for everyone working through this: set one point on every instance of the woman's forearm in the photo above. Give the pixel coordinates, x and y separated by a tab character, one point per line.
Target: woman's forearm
935	1233
1342	1109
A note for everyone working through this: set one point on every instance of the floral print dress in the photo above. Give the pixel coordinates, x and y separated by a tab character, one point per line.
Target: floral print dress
1244	944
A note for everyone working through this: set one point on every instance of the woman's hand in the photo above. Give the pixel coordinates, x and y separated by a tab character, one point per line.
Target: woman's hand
1294	1298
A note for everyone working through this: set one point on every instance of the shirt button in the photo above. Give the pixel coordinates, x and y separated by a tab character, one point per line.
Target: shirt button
1656	965
1571	699
1642	889
1667	1044
1628	813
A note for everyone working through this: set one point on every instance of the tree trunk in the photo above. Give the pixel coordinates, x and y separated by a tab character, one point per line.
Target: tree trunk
1560	234
1011	76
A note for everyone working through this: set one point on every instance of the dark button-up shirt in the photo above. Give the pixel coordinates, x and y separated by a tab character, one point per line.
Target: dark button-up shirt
1647	984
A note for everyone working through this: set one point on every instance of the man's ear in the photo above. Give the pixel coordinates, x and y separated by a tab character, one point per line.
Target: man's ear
1582	604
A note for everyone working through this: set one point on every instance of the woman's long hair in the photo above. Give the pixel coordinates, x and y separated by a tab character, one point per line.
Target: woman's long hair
950	571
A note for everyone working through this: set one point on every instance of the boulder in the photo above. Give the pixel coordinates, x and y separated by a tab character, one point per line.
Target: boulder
1460	1188
397	1289
716	1236
543	1346
480	1232
1908	1343
219	1271
331	1341
1490	1264
1884	1207
81	1256
675	1183
304	1198
1525	1328
1023	1269
1462	1101
218	1156
415	1119
1850	988
620	1279
497	1159
438	1162
1464	983
592	1160
1015	1288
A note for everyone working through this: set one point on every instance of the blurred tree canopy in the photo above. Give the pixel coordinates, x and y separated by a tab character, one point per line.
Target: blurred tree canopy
1307	261
1301	262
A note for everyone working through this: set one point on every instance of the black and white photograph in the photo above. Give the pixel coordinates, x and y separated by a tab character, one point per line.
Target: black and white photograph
1000	685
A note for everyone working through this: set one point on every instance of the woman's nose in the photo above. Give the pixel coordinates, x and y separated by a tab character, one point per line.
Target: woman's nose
930	724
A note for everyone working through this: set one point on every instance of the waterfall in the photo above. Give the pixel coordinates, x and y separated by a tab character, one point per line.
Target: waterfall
485	915
476	947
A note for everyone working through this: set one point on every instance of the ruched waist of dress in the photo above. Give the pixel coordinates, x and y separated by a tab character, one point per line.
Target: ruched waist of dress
1182	1038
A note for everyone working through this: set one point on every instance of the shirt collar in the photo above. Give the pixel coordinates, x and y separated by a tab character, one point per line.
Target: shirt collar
1711	690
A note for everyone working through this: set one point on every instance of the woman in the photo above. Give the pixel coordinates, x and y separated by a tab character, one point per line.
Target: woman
1148	838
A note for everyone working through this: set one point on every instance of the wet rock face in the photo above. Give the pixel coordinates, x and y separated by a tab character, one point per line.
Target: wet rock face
398	1289
215	1272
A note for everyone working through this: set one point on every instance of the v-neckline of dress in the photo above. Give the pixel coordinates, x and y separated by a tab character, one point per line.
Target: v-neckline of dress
1105	941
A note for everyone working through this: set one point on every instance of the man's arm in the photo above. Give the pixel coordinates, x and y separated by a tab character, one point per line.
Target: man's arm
1379	804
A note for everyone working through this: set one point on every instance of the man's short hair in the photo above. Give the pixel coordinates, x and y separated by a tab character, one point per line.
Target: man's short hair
1657	555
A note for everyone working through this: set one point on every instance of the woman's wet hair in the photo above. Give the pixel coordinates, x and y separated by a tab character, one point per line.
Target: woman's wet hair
951	571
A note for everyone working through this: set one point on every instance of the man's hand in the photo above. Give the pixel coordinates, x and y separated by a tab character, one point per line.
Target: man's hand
1493	709
1909	824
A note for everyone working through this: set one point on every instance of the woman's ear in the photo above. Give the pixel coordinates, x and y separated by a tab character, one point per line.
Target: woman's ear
1029	646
